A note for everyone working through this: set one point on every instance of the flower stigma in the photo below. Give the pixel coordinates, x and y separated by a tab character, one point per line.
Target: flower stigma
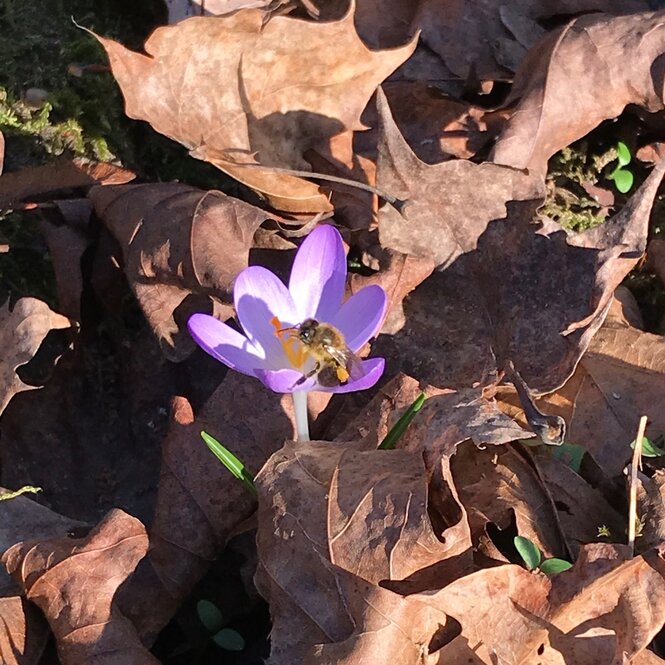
294	350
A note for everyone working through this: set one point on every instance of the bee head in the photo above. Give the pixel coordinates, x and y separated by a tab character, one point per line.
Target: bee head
307	330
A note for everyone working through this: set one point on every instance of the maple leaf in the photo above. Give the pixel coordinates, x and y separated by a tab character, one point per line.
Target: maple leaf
231	89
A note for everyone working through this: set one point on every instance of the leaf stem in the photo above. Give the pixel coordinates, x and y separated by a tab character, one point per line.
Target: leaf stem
301	415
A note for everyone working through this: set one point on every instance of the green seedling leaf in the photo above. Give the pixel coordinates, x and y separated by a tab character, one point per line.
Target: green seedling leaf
22	490
229	460
623	180
397	430
570	454
528	551
229	639
623	154
210	616
604	531
648	449
554	566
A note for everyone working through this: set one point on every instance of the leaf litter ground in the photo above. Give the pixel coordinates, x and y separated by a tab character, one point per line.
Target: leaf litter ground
512	325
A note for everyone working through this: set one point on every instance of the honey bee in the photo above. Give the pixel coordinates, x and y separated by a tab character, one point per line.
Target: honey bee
335	362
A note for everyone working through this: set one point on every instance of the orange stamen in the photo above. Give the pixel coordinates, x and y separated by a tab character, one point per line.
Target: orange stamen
294	350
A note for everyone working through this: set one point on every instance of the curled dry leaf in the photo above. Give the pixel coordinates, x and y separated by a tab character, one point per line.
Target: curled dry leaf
182	249
57	175
74	582
224	87
22	330
199	502
602	62
499	487
618	380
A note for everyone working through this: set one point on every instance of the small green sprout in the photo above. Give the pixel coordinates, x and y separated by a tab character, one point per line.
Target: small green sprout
397	430
623	179
213	621
604	531
649	449
570	454
533	558
230	461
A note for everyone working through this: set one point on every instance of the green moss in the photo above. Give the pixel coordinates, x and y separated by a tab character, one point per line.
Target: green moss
570	169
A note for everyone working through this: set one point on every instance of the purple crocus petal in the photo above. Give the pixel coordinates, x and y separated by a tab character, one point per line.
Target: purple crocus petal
373	368
225	344
361	316
260	295
318	274
284	380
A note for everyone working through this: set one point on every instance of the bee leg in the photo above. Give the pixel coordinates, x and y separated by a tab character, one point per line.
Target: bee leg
309	375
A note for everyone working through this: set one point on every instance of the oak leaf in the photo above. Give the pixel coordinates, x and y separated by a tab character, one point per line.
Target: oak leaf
22	330
602	62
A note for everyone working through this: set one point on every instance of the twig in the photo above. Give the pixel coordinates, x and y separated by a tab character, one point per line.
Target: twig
637	461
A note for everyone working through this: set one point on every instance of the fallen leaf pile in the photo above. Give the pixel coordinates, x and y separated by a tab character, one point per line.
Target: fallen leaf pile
534	358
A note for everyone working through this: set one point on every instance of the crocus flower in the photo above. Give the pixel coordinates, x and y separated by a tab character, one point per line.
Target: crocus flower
265	306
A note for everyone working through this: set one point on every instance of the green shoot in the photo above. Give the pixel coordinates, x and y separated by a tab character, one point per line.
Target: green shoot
213	621
553	566
533	558
623	179
529	552
397	430
649	449
230	461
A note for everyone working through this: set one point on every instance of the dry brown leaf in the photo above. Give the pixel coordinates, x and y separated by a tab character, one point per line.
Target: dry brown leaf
465	324
366	511
448	205
57	175
497	486
182	249
619	379
398	275
602	62
233	90
74	582
651	508
23	631
447	420
656	257
581	509
24	519
605	610
22	330
199	502
66	246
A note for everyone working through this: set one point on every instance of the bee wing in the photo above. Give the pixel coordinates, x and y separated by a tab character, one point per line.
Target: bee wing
348	360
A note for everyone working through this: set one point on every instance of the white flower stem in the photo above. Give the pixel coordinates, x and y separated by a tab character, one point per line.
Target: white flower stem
302	418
